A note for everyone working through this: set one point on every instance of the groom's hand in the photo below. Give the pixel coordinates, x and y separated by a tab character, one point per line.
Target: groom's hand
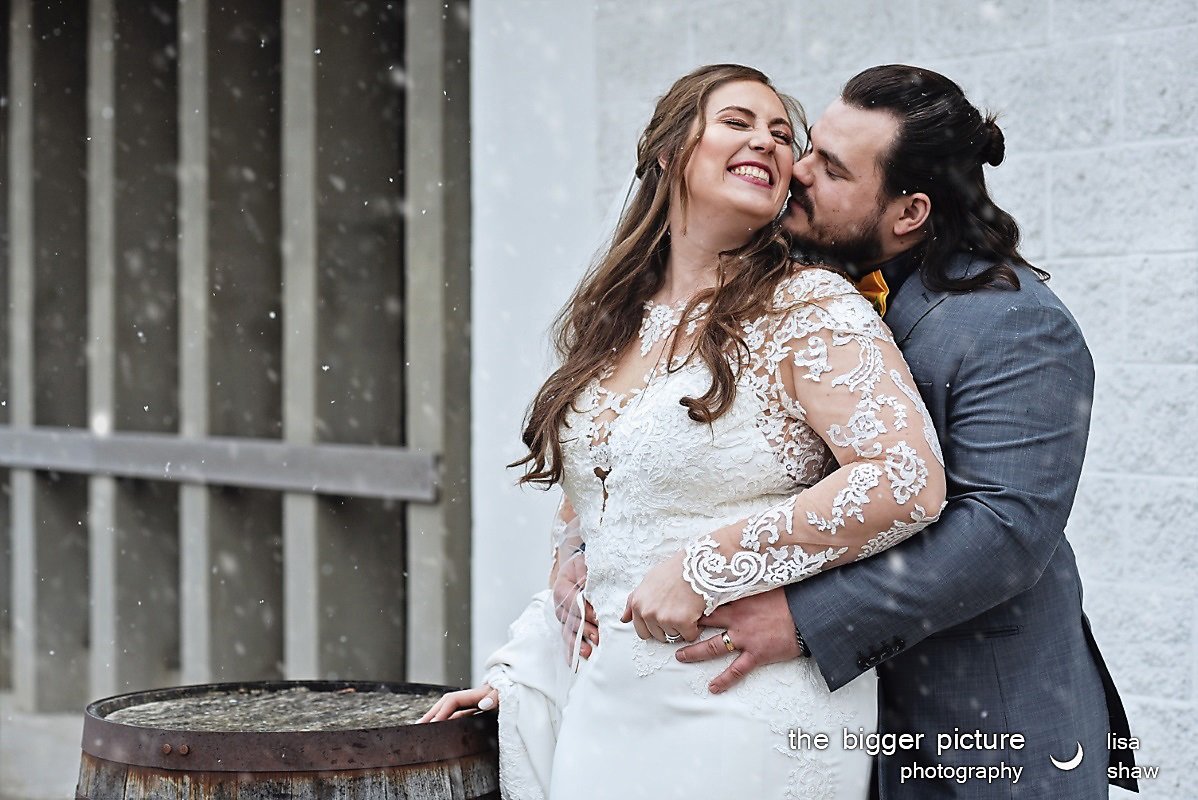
761	629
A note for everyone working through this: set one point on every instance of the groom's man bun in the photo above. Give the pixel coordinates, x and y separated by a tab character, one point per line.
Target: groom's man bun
996	144
940	147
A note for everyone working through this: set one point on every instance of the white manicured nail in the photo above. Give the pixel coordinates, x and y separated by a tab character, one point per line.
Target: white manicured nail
485	704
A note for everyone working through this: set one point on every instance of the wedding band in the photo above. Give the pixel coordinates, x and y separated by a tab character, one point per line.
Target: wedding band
671	638
728	642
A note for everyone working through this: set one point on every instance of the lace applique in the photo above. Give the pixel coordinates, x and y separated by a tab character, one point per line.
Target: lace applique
929	432
720	580
648	656
850	499
814	357
661	320
898	532
907	472
864	426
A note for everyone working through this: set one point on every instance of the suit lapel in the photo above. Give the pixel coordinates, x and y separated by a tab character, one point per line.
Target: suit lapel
915	301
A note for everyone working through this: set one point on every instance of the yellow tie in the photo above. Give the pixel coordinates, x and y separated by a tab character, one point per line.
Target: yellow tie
874	289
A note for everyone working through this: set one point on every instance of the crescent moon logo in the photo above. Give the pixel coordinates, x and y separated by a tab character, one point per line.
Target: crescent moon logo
1071	763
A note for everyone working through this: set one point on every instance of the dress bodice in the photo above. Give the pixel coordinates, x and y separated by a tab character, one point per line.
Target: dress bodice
647	480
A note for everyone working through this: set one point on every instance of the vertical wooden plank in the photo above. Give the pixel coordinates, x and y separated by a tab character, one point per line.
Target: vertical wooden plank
437	271
195	561
359	234
245	329
101	280
5	489
144	362
20	321
100	779
56	560
301	566
147	595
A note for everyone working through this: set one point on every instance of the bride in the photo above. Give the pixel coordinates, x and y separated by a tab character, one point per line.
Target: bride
723	421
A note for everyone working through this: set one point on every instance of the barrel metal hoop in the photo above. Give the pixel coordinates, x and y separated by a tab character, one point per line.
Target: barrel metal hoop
282	751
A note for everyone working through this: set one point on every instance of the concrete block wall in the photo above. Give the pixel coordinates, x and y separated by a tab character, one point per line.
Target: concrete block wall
1100	112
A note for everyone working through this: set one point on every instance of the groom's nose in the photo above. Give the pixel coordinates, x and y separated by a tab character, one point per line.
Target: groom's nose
802	170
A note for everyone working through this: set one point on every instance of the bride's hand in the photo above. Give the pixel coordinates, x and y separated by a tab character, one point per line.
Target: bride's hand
664	607
570	579
458	704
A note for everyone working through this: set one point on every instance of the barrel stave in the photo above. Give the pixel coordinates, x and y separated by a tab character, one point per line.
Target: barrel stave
466	778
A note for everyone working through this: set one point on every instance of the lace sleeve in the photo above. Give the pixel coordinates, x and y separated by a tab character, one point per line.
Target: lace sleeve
565	539
837	370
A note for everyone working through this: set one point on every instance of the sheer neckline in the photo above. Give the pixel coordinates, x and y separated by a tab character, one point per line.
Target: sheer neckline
661	320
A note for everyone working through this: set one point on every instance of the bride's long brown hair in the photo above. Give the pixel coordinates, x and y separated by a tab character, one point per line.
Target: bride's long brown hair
605	312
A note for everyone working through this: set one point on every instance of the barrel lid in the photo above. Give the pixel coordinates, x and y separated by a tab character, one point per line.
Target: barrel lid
281	751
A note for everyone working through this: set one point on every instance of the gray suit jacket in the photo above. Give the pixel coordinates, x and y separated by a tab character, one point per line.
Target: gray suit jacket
976	623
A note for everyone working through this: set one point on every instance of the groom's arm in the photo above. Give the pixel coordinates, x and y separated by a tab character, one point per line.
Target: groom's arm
1018	418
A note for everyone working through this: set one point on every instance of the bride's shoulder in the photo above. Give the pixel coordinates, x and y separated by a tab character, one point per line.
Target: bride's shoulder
810	283
817	296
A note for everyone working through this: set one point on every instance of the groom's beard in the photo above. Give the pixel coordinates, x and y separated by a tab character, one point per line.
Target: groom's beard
857	248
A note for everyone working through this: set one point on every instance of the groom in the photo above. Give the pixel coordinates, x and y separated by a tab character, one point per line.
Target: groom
975	625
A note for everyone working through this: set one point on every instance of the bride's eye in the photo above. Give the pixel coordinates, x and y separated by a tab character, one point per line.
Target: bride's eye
784	138
735	123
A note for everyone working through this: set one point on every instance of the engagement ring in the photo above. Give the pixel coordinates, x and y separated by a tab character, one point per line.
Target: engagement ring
671	638
728	642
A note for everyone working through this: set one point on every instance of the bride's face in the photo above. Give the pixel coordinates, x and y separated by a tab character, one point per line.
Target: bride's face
742	164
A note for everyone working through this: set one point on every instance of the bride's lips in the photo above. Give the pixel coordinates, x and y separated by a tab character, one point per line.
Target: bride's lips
754	172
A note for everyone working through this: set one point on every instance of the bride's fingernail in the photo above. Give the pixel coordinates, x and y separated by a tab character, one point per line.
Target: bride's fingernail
485	704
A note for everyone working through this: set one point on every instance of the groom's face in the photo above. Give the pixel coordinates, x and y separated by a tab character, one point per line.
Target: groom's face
836	203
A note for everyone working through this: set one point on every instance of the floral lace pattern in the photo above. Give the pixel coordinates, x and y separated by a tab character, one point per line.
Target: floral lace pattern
840	362
661	320
824	384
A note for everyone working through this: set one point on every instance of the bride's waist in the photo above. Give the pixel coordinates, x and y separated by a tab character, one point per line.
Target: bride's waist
690	516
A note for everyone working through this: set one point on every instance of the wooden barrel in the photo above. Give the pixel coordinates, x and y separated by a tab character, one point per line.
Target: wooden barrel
293	739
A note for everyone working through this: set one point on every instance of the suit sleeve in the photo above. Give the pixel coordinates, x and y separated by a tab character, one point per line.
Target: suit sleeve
1017	422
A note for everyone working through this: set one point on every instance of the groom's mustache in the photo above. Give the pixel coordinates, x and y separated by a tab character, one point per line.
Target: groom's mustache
798	194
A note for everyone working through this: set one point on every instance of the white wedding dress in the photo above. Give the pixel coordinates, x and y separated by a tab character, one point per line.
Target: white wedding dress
646	481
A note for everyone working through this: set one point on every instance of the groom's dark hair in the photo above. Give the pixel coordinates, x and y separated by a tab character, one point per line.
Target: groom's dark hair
939	149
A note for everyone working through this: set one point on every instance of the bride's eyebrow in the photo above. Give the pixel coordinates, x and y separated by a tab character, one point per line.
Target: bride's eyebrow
748	113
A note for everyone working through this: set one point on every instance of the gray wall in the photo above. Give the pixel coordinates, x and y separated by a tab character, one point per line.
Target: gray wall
1100	111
